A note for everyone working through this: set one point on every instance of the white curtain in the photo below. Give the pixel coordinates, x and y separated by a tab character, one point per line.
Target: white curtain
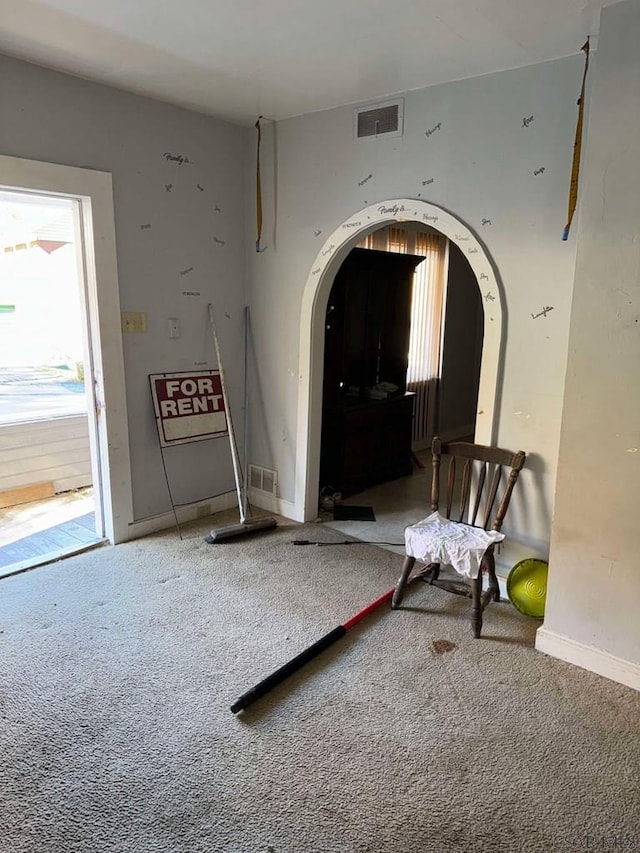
427	309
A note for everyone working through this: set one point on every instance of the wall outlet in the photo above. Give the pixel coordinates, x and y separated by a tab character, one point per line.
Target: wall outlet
134	321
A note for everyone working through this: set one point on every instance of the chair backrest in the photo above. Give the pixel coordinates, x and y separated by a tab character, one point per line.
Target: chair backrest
482	471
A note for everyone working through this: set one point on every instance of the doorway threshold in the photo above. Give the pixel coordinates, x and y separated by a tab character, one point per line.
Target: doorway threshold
44	531
43	559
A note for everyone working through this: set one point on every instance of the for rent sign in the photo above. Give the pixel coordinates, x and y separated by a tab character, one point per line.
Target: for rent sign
188	406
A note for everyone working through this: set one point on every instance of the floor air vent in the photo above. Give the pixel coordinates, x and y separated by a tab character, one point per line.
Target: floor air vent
263	479
379	120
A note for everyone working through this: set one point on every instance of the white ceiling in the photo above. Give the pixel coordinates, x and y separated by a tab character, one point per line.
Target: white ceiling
242	58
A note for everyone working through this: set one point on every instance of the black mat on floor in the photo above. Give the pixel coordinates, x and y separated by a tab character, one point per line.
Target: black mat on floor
343	512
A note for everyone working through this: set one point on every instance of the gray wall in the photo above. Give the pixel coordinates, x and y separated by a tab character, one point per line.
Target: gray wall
61	119
462	349
594	574
480	164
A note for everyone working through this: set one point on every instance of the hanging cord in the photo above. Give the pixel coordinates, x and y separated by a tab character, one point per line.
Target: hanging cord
258	189
577	147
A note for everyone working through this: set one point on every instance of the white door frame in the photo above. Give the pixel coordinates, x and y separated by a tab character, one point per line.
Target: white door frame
312	323
93	191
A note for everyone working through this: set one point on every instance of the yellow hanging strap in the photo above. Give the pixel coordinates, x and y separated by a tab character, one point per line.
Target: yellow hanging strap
577	147
258	188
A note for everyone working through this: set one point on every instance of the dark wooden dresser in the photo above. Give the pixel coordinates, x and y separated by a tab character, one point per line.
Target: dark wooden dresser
365	442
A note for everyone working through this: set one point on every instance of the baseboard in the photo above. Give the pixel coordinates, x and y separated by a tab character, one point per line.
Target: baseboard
588	657
264	500
191	512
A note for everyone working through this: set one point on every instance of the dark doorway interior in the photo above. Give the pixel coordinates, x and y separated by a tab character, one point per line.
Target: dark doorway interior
367	412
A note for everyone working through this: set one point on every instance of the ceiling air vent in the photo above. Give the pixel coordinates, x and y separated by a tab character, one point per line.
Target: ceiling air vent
379	120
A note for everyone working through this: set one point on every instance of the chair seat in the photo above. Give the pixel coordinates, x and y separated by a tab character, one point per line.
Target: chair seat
436	539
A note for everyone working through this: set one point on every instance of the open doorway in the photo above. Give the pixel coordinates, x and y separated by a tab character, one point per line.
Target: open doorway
313	314
446	331
49	482
91	195
403	345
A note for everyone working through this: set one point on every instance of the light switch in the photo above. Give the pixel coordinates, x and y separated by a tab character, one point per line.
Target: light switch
173	327
134	321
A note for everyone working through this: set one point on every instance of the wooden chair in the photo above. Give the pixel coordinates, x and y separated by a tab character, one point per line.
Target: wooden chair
477	461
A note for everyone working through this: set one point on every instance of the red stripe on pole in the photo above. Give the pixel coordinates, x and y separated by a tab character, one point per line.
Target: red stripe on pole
367	610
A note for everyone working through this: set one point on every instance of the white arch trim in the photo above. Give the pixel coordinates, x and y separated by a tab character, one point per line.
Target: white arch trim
313	310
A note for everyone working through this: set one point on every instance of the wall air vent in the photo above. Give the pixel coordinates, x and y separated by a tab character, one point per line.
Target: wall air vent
263	479
379	120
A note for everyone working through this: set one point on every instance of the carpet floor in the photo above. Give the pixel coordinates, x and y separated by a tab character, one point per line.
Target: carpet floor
119	667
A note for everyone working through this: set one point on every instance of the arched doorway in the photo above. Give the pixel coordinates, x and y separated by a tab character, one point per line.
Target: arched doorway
313	309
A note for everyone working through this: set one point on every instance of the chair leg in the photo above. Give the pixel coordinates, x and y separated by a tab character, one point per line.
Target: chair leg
433	573
398	592
476	605
490	563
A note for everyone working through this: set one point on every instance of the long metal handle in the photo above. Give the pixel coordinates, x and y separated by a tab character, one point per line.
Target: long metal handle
246	407
237	471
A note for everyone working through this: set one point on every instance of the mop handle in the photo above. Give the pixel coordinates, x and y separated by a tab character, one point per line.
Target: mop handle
225	397
309	653
288	669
